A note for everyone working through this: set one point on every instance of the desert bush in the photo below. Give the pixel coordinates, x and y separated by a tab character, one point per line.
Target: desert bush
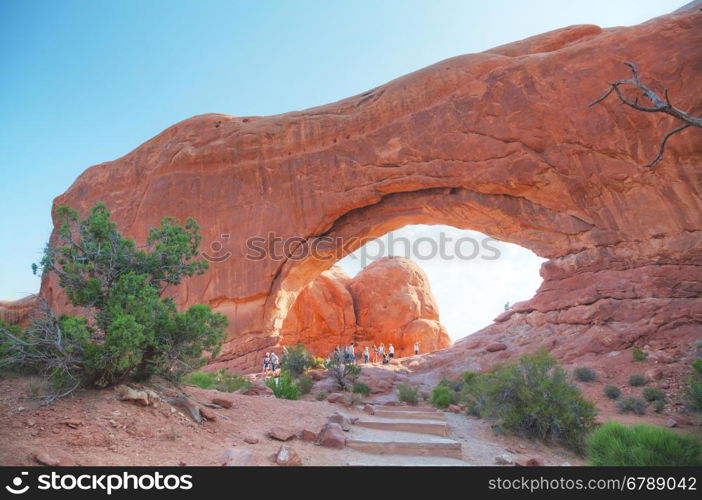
614	444
637	380
321	395
468	377
638	354
653	394
203	380
693	391
352	399
345	373
296	359
584	374
284	386
304	384
130	331
532	397
658	405
632	405
441	396
220	380
408	393
611	391
316	362
361	388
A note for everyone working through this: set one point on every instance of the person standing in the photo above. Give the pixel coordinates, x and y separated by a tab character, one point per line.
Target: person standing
381	351
416	348
391	351
375	353
274	361
366	355
351	353
266	362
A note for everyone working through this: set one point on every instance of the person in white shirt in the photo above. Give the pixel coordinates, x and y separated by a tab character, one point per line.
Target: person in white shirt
391	351
274	361
416	348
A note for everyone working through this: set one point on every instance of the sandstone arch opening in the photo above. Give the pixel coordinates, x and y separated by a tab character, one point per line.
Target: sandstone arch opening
426	283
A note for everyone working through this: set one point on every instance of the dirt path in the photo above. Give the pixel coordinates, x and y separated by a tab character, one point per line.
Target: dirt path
95	428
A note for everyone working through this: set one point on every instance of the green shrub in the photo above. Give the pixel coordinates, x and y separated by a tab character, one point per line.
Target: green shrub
352	399
296	359
220	380
304	384
316	362
284	387
641	445
361	388
203	380
345	373
321	395
408	393
130	331
653	394
638	354
584	374
658	405
441	397
532	398
693	391
637	380
611	391
632	405
468	377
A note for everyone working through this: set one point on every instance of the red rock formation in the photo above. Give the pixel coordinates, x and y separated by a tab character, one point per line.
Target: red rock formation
390	301
17	312
322	316
502	142
394	305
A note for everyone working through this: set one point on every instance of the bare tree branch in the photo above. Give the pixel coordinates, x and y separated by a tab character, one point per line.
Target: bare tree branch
658	106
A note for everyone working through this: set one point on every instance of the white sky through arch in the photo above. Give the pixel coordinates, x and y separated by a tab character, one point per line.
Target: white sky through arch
470	292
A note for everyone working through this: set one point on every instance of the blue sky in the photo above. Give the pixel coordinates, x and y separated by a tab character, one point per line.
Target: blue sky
82	82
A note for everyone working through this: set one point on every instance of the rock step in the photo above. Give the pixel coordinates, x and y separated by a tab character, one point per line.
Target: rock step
427	426
368	460
383	442
429	409
422	415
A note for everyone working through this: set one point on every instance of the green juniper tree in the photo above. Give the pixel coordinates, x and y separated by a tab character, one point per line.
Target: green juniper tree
129	329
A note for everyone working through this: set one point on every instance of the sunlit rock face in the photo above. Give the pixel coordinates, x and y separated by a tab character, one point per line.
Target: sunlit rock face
388	302
502	142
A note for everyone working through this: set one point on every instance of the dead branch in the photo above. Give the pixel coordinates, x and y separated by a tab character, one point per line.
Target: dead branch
658	105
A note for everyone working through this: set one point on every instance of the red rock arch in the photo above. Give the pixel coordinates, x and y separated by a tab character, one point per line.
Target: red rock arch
502	142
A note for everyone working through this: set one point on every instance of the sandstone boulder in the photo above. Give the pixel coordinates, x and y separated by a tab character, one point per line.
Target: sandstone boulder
223	402
234	457
335	397
332	436
394	305
54	458
281	434
287	456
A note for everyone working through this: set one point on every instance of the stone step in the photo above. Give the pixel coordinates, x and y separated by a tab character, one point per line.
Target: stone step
384	442
368	460
426	426
422	415
430	409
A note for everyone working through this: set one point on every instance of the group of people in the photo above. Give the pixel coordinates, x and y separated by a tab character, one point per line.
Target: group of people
270	362
374	354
